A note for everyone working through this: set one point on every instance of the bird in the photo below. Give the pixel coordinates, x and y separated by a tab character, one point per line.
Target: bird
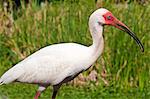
57	64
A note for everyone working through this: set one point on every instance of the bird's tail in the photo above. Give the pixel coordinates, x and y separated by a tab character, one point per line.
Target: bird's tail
11	75
1	82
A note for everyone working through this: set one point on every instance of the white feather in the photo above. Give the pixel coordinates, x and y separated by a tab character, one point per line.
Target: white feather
54	63
11	75
50	64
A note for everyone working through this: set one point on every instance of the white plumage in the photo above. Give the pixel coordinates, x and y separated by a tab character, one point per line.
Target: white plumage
50	64
60	63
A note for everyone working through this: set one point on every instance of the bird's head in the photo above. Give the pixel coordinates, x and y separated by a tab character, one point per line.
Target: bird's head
104	17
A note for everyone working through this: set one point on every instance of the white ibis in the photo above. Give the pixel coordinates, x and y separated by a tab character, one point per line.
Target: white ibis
59	63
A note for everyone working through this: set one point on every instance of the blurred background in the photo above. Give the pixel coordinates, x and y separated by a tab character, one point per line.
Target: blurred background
122	71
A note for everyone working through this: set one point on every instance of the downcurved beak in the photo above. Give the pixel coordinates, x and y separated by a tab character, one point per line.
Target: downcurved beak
118	24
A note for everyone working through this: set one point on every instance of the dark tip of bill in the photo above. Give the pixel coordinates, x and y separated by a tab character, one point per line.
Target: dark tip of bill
142	49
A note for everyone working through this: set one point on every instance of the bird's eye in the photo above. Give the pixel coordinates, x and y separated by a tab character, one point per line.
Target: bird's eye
109	17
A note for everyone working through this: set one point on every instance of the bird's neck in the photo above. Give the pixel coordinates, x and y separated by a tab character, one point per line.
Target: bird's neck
98	43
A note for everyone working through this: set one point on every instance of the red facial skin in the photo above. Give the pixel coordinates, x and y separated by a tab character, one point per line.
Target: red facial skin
111	20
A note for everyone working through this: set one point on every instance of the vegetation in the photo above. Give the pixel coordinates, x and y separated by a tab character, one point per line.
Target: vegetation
127	67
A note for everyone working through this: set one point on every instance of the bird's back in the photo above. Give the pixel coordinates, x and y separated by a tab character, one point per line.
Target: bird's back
49	64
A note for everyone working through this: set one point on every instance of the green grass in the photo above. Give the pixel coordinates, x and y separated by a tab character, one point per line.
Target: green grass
127	67
16	91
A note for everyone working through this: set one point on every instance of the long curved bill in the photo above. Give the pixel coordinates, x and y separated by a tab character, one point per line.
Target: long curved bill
118	24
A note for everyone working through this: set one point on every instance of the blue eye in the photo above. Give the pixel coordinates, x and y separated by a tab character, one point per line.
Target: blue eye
109	17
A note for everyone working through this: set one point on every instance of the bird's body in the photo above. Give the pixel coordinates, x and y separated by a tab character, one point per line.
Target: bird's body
51	65
59	63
